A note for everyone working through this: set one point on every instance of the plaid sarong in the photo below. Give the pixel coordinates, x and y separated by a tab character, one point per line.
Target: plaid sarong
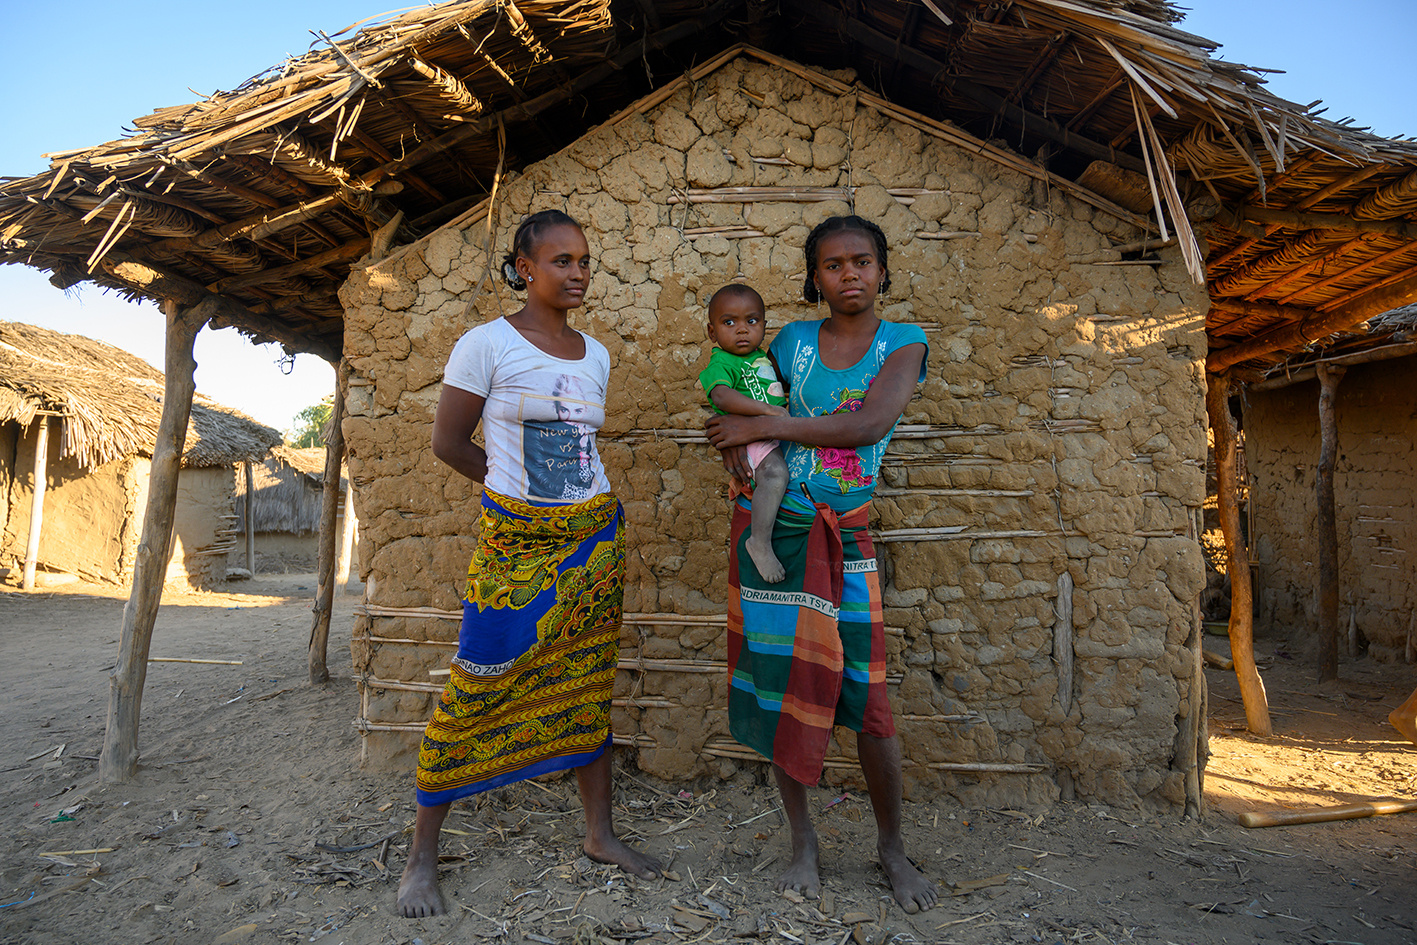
530	687
809	652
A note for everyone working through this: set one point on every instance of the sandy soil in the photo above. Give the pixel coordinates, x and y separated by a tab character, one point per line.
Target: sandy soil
251	820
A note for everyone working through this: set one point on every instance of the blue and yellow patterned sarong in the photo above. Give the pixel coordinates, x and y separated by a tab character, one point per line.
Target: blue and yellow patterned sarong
530	688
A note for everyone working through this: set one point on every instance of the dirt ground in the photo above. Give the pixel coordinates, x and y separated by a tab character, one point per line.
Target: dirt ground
251	820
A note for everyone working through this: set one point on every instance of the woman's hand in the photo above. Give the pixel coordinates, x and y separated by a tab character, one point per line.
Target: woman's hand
731	430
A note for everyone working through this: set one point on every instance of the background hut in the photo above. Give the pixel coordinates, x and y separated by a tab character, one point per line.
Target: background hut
288	500
1039	166
100	406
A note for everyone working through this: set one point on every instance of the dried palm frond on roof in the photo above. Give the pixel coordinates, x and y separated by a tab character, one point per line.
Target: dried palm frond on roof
109	401
268	193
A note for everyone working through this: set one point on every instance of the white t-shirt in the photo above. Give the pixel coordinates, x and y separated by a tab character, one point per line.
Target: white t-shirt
541	415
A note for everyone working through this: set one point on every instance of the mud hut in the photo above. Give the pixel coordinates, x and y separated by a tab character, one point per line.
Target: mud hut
287	499
1096	223
81	416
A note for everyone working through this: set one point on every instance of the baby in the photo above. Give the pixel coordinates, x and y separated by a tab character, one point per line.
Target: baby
740	379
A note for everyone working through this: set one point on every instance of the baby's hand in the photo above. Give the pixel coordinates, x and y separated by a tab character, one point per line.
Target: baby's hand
777	411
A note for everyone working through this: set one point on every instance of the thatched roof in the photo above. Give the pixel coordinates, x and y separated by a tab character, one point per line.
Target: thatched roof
266	194
110	402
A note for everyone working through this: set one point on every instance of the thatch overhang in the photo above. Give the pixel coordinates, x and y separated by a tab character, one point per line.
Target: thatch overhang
109	402
267	194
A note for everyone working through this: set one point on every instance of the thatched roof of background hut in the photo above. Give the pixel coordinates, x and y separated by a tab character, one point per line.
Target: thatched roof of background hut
110	401
265	195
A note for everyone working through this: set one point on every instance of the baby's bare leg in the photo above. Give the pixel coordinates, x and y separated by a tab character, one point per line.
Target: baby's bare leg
769	486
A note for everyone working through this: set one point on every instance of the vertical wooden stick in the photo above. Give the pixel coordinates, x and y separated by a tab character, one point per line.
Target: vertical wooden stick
1190	756
1242	643
250	518
41	479
346	546
1327	524
324	597
1063	641
119	760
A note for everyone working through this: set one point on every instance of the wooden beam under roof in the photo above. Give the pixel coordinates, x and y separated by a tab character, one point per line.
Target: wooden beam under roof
225	311
1295	335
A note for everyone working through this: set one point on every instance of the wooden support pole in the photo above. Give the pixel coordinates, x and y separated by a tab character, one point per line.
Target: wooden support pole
346	541
1327	536
1242	646
250	518
119	760
41	479
325	594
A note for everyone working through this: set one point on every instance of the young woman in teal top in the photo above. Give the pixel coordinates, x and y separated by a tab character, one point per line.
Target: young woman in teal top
850	377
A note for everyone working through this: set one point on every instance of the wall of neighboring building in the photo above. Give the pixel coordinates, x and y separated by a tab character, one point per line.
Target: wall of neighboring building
204	527
9	445
1374	484
1061	430
89	514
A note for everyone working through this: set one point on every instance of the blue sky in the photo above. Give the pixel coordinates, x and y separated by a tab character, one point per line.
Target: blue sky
89	68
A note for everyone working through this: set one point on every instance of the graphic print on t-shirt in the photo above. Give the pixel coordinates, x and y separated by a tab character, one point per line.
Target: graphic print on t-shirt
558	441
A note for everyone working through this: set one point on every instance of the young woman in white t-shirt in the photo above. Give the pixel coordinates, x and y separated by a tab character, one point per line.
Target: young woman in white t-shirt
529	691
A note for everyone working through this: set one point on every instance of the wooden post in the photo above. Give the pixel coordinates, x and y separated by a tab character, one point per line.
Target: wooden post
41	462
1327	530
324	596
1063	641
250	518
346	544
1242	645
119	760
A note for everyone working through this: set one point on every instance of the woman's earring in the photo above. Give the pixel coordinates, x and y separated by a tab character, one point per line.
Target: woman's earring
530	279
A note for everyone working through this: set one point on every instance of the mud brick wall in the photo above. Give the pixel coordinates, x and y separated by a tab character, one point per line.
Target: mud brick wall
1374	483
1061	431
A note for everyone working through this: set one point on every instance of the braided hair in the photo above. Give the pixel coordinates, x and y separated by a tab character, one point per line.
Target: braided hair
525	241
843	224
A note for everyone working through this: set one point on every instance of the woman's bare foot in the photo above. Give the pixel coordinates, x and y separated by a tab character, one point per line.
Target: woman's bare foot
803	874
912	890
618	853
418	889
769	568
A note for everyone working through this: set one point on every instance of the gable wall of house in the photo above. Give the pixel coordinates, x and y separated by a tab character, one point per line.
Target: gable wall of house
1060	430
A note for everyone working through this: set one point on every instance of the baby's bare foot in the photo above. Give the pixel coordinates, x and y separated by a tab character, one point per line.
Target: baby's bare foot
618	853
769	568
912	890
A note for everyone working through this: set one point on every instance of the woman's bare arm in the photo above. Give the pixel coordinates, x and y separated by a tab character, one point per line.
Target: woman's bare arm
459	412
884	403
